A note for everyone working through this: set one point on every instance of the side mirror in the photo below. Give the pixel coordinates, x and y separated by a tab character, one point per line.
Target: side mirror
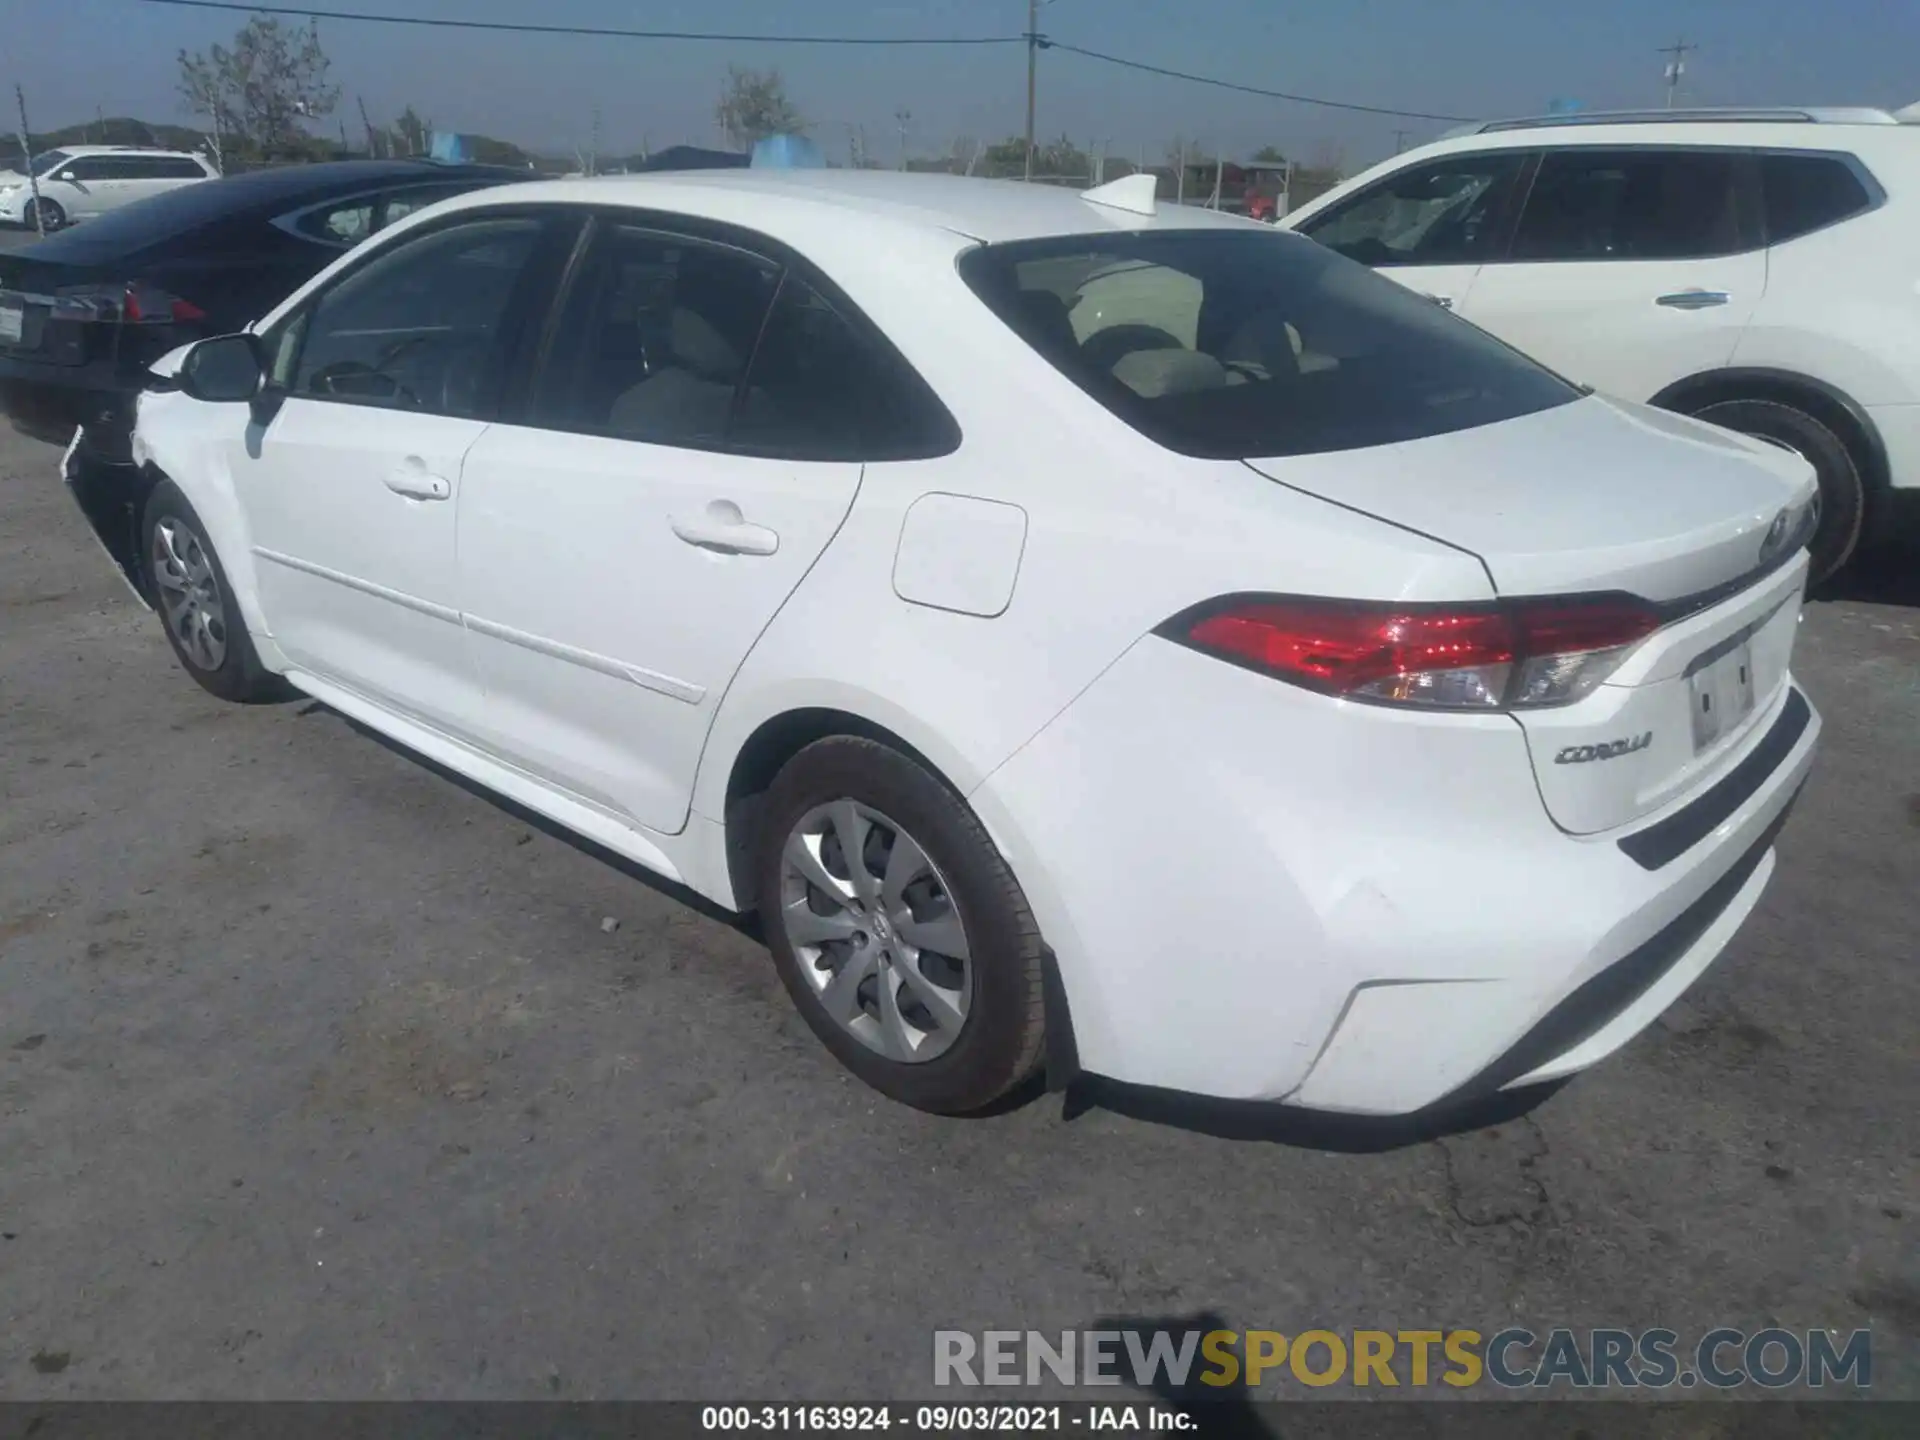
223	370
68	176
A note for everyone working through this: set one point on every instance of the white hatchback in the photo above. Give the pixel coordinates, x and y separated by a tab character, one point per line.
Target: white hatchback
80	182
1126	641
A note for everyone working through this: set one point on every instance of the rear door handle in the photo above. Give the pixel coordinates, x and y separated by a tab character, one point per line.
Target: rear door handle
1445	302
721	528
414	481
1693	299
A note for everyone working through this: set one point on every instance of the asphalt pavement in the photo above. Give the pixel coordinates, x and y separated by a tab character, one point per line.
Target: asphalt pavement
321	1076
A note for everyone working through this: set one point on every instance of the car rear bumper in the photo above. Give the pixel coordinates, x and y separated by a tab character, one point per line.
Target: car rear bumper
1258	894
49	402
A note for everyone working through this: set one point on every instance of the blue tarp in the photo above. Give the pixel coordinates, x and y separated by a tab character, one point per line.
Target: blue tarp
451	148
788	152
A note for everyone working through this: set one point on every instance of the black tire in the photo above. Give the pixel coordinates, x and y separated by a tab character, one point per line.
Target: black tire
1845	501
50	217
238	674
999	1044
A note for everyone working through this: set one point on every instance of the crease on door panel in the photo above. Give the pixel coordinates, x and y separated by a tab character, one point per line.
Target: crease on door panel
365	587
590	660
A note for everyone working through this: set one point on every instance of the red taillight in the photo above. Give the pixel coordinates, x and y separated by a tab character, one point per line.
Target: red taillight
1525	653
143	304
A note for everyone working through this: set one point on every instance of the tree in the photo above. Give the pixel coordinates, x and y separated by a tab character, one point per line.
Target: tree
263	90
754	106
1269	155
411	134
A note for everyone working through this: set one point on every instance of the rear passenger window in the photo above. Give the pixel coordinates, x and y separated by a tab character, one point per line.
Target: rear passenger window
347	223
1593	204
820	389
1803	193
654	340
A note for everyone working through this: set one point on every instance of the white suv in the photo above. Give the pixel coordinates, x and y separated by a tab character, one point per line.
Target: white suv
78	182
1759	269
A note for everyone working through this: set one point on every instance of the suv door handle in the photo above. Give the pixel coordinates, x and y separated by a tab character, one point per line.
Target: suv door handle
721	528
413	481
1693	299
1445	302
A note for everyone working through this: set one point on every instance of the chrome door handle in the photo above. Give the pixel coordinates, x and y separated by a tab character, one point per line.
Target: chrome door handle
417	484
721	528
1445	302
1693	299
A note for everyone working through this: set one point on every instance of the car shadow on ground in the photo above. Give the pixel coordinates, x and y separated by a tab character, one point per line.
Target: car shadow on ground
1890	573
1262	1121
1270	1123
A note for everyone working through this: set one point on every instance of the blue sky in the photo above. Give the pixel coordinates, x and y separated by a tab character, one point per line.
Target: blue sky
1468	57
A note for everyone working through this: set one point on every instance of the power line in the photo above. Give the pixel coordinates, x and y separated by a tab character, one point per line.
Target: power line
1048	44
1030	39
451	23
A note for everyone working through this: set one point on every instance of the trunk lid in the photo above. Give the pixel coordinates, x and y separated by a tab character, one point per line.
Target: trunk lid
32	327
1599	496
1592	495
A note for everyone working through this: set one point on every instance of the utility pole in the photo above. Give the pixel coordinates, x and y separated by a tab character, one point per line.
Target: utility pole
900	118
1677	66
1399	141
593	154
26	162
1033	73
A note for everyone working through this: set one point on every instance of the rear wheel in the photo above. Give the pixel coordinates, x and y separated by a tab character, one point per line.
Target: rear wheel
1843	500
897	927
195	602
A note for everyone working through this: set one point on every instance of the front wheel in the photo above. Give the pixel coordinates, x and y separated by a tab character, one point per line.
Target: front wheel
45	214
195	601
1843	498
898	929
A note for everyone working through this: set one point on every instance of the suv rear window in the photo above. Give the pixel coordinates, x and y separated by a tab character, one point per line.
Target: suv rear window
1803	193
1233	345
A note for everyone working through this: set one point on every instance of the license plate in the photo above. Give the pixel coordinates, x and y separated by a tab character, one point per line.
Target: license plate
1722	695
12	323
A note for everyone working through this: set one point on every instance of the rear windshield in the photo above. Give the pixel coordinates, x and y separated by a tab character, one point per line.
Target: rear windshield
1235	345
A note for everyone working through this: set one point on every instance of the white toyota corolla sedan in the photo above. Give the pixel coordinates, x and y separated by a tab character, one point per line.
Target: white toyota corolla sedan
1095	635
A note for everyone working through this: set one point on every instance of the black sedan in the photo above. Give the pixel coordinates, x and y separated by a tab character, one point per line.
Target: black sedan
84	313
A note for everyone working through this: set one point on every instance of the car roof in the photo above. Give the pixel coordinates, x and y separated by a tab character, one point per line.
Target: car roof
253	195
77	150
1692	116
991	211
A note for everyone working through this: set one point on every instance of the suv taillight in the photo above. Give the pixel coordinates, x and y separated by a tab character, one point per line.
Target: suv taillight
1513	655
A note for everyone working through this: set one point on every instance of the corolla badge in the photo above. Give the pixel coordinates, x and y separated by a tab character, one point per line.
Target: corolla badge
1607	750
1775	538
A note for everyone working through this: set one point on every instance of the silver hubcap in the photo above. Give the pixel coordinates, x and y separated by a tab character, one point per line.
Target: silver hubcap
189	595
874	927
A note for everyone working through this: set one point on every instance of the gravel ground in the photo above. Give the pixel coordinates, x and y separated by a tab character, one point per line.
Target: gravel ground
321	1076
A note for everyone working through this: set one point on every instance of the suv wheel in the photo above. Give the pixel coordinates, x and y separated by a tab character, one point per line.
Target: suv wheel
1843	498
45	214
